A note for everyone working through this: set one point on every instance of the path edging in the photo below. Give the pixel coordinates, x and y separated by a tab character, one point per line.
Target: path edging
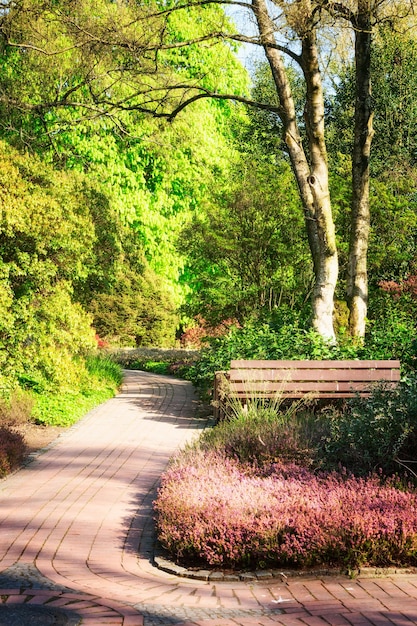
163	563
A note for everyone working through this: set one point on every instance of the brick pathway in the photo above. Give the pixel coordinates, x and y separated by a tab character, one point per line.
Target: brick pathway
76	533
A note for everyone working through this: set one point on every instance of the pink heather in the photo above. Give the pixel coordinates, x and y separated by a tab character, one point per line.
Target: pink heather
210	510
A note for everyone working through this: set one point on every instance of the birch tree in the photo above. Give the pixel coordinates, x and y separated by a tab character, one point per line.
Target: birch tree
157	70
363	16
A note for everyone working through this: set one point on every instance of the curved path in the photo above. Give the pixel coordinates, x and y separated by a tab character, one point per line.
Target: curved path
76	534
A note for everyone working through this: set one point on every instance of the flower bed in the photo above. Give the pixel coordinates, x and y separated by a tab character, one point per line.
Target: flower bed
211	511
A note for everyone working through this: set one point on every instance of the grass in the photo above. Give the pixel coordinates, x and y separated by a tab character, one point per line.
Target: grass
67	409
98	382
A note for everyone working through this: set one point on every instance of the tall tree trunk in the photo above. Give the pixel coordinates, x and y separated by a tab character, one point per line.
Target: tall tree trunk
357	282
312	178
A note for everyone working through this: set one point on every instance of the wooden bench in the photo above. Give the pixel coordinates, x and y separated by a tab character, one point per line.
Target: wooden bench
248	380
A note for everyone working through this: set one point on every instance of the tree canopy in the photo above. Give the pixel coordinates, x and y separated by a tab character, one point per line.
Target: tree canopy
147	179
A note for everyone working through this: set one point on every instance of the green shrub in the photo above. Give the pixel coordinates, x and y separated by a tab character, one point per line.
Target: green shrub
378	432
287	337
138	311
393	335
58	335
99	379
284	339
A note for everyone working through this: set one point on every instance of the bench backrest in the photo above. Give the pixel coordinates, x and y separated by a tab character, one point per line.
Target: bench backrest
323	379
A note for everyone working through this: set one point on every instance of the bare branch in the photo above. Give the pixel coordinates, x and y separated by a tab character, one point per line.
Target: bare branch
29	46
257	41
190	5
171	115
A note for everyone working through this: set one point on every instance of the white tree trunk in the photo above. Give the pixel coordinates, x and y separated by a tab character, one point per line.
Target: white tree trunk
357	281
312	174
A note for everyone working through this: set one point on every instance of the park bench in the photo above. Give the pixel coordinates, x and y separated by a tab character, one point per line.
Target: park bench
249	380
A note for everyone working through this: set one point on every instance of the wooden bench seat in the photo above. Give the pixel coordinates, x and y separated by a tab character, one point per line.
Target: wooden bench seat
250	379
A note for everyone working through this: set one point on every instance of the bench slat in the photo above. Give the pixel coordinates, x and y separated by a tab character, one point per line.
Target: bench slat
253	388
296	395
251	379
286	375
309	365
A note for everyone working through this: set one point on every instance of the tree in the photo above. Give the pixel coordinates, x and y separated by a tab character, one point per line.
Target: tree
47	240
246	254
149	71
392	242
155	175
357	283
137	311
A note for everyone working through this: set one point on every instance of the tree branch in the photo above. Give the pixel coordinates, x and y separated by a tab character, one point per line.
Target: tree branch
171	115
190	5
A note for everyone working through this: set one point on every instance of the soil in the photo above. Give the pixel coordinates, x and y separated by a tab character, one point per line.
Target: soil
37	436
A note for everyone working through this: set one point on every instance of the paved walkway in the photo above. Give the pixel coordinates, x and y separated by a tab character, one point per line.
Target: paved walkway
76	534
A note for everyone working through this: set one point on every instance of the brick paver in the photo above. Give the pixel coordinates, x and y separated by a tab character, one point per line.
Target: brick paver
76	533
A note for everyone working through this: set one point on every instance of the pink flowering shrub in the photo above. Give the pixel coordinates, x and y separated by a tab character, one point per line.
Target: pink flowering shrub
211	511
408	285
195	337
101	343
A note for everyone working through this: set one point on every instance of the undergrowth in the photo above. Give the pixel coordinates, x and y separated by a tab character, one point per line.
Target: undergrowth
99	382
99	378
12	450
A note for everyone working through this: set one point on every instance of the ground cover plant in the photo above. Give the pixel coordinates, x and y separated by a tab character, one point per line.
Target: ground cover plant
212	510
267	489
99	379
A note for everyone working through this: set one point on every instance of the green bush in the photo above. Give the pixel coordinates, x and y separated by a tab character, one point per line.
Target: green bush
361	435
392	334
137	311
99	380
289	338
284	339
378	432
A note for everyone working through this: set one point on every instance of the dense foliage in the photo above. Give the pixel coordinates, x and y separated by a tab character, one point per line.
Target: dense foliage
91	201
288	336
120	229
246	255
211	510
